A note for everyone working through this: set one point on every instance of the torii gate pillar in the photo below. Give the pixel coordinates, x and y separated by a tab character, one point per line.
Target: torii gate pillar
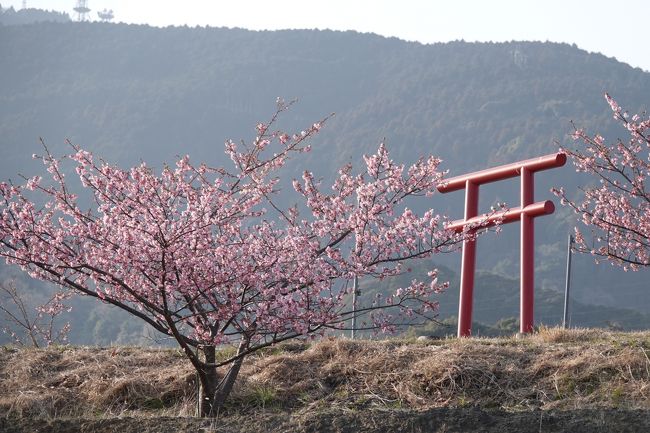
525	213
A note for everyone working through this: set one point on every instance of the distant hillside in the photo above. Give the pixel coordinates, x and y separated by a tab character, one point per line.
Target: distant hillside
496	311
136	92
496	305
10	16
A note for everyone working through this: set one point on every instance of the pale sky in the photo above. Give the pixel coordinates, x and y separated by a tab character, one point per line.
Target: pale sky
615	28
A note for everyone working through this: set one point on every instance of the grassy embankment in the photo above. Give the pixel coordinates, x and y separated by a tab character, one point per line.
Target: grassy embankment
553	369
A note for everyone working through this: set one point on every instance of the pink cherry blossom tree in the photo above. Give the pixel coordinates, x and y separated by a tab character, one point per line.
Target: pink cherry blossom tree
207	256
617	210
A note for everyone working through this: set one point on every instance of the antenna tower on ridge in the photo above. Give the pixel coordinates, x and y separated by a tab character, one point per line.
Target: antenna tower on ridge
106	15
24	4
82	10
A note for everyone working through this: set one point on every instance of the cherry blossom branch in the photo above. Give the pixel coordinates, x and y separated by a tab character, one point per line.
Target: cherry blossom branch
618	210
38	326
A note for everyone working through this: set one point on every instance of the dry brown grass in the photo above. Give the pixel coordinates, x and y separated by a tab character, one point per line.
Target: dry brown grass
577	335
553	369
70	381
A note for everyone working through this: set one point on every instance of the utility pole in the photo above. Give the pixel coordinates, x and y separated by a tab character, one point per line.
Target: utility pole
355	289
565	318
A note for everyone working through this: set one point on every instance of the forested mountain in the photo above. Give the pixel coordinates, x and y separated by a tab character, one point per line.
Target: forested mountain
134	93
10	16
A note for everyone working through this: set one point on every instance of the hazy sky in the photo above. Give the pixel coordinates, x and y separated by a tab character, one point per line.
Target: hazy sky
615	28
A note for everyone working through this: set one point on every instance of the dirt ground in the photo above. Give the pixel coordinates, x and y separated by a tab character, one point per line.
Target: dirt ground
438	420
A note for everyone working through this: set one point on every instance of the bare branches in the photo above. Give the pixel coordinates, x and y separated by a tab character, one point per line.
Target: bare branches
32	325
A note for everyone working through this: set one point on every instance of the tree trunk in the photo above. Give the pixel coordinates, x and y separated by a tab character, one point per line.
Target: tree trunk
228	381
208	382
213	394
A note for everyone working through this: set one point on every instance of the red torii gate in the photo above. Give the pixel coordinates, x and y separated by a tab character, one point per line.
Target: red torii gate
524	213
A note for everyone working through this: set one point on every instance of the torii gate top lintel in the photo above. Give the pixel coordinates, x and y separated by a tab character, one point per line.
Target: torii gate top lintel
503	172
525	213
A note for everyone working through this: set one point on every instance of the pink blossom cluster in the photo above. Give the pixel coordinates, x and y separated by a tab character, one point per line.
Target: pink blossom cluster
206	255
617	209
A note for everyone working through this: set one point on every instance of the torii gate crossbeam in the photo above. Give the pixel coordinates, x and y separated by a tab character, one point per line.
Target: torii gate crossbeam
525	213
